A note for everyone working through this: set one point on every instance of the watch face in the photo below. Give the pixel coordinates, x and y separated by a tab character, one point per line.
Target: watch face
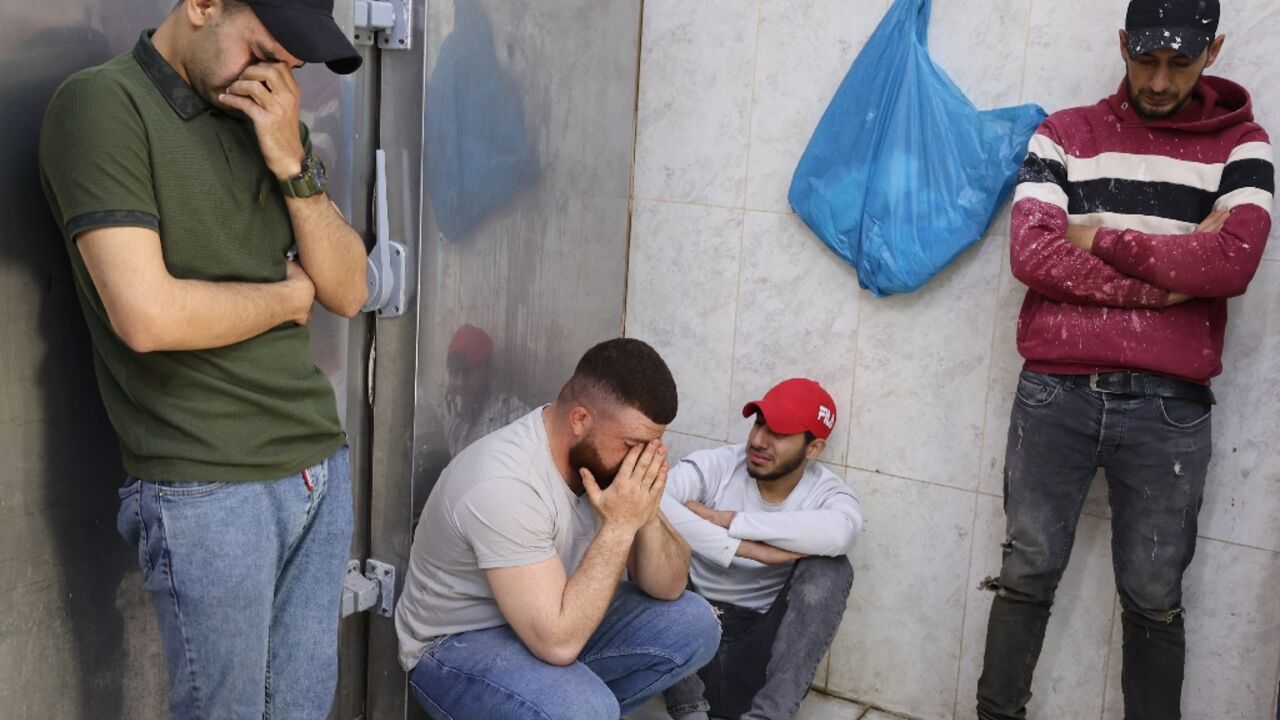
319	174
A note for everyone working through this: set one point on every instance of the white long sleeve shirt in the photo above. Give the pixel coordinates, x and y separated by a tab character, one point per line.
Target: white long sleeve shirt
821	516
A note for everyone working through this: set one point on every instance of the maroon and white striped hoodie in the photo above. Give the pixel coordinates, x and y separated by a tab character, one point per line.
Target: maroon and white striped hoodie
1148	185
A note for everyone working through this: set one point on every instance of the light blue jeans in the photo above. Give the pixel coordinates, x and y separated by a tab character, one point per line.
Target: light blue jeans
246	581
642	647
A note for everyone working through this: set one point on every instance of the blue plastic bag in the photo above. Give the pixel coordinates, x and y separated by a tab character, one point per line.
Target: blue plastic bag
903	172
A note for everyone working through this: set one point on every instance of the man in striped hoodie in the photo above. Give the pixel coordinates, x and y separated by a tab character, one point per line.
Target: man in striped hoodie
1135	219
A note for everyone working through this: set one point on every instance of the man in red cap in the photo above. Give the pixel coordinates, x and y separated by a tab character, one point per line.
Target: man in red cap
181	176
474	407
770	531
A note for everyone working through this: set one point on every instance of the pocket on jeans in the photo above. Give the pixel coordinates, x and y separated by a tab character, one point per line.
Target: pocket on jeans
1182	413
1036	389
178	490
129	522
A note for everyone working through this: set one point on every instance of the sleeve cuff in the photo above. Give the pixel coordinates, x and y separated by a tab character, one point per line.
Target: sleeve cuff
111	218
1104	243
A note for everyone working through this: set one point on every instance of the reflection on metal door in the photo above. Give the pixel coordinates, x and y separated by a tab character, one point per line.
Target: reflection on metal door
509	132
78	638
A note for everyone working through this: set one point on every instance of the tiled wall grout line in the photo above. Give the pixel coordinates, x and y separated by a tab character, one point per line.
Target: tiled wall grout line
853	377
1091	514
631	181
904	477
980	493
714	206
751	106
1026	52
1276	685
697	436
742	239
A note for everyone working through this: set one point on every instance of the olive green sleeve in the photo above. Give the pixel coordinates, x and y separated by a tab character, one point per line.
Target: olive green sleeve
95	158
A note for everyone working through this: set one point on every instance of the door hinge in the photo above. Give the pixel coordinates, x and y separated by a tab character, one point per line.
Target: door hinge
387	277
374	589
390	22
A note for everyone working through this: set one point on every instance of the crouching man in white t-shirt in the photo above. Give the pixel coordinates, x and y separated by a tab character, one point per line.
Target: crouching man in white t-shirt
770	531
513	606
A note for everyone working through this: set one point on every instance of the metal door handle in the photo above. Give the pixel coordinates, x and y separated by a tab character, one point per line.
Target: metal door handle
386	275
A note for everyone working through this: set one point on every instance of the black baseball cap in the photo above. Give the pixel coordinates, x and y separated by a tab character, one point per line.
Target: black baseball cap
306	29
1187	26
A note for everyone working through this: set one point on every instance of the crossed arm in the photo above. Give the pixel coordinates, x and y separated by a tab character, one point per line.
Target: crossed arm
1123	267
152	310
771	538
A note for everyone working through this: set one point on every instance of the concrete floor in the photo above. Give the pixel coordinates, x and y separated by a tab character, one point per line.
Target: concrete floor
816	707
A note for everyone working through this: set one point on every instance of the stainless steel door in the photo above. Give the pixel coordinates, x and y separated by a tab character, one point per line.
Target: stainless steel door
509	130
78	638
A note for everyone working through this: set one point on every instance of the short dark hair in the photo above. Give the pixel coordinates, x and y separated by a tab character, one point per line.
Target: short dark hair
227	5
628	372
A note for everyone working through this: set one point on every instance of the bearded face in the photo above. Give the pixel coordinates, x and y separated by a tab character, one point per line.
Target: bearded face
586	454
776	464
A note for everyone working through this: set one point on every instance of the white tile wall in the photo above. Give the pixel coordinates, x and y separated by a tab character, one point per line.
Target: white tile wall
697	62
737	295
981	48
1242	495
920	384
899	644
682	299
805	48
797	316
1073	53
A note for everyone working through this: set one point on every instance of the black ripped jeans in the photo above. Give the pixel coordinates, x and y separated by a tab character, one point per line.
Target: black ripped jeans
767	661
1155	452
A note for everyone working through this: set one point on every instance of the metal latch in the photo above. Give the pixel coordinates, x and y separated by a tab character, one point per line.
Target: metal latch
374	589
387	262
389	21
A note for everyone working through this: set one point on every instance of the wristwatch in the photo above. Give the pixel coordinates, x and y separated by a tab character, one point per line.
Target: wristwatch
310	181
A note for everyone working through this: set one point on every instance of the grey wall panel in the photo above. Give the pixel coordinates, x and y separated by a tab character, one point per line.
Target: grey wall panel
78	638
510	134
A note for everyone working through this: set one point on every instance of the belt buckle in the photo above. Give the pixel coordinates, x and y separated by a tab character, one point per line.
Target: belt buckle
1093	384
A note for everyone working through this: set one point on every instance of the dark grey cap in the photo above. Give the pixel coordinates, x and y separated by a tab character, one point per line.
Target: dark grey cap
1187	26
306	29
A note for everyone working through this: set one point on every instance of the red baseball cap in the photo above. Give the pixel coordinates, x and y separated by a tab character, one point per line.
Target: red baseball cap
795	406
473	344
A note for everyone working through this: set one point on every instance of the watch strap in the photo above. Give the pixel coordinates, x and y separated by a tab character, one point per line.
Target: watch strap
307	183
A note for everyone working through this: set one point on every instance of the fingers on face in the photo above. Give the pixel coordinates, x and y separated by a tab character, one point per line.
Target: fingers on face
251	90
629	462
277	76
245	105
589	484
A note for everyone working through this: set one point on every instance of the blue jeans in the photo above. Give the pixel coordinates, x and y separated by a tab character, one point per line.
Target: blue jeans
1155	451
246	581
641	648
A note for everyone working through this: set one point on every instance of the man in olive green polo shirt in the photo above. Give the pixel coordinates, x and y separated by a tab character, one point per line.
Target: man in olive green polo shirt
181	176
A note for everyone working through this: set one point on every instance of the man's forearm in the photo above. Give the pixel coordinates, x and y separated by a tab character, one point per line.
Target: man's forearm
659	562
1042	259
1201	264
201	315
331	252
591	588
